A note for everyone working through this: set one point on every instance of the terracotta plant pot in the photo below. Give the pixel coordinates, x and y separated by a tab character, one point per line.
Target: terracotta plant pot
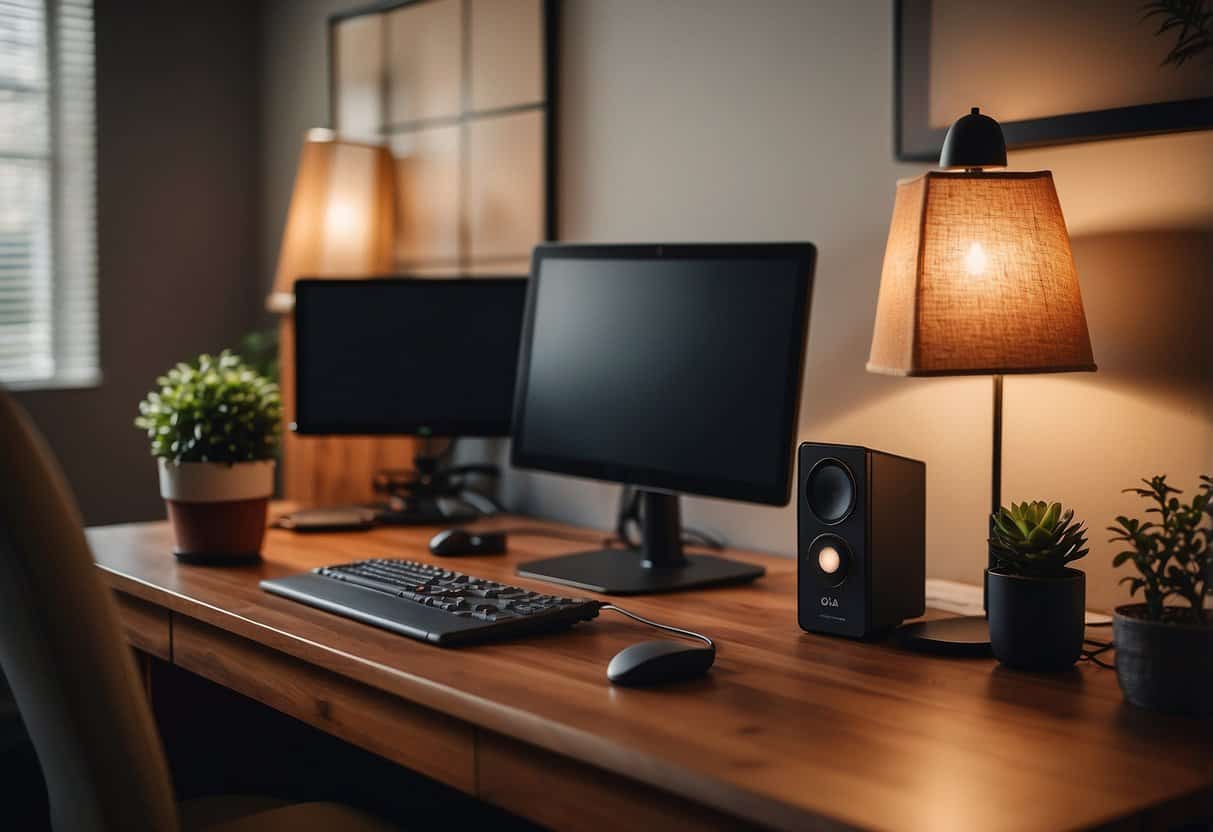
1037	623
1163	665
218	511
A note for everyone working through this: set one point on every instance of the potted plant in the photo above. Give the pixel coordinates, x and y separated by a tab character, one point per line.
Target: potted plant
1164	652
214	429
1036	601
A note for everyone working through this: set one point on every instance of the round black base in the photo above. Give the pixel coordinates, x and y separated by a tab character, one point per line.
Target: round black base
218	558
622	572
968	636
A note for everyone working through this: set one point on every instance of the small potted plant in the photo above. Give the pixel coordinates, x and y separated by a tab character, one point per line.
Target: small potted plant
214	429
1036	601
1164	652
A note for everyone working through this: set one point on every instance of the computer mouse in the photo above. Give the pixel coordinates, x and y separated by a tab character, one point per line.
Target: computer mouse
658	662
452	542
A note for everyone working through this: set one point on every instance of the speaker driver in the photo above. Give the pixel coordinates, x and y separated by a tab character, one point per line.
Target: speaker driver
830	556
830	491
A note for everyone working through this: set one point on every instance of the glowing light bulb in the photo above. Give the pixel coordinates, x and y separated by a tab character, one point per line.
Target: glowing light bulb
976	260
342	217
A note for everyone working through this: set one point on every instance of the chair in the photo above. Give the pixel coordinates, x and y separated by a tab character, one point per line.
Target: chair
73	675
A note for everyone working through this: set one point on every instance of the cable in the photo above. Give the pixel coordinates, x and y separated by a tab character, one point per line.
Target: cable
668	628
1101	647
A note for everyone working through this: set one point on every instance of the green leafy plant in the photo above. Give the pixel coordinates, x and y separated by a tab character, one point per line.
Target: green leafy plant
1194	21
1037	539
216	409
259	349
1173	554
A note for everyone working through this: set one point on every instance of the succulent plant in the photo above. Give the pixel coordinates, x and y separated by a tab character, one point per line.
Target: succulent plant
216	409
1173	555
1036	539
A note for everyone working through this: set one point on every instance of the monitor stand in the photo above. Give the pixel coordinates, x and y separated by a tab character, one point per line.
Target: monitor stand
659	566
423	497
407	511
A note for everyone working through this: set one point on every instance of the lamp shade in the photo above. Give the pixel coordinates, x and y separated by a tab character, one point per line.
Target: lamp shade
978	277
341	218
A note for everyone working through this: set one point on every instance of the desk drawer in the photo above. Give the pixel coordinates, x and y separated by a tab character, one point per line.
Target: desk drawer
147	625
560	793
425	741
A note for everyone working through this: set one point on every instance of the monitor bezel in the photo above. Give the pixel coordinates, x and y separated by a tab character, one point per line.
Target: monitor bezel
449	428
776	492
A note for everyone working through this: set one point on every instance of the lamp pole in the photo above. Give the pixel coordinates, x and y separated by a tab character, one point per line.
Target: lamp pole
996	468
995	486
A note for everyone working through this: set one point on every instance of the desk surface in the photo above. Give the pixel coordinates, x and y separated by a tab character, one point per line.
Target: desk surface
789	730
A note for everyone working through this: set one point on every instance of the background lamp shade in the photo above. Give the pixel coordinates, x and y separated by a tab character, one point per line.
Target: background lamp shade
341	218
978	278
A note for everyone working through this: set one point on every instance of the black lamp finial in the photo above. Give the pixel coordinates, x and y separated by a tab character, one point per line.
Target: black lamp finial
974	142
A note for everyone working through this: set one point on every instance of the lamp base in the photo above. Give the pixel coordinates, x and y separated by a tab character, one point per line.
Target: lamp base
967	636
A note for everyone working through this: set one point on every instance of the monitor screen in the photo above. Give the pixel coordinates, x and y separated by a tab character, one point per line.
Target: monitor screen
668	367
407	356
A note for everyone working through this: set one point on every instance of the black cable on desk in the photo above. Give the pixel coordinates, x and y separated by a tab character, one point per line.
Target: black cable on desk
666	627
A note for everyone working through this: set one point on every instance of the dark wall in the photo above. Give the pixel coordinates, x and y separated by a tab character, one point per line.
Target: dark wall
178	209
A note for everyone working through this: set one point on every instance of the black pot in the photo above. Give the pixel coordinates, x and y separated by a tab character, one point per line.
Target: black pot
1163	665
1036	623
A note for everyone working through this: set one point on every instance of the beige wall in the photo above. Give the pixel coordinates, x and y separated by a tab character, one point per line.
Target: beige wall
717	120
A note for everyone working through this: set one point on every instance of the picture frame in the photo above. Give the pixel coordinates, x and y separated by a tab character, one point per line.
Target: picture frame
918	137
463	93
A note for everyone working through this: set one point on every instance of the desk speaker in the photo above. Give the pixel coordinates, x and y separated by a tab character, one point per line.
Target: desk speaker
861	523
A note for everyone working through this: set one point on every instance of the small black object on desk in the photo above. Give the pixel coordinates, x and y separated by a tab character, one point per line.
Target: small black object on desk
454	542
657	662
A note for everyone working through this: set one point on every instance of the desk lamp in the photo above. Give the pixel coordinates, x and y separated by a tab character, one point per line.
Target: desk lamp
340	223
341	216
978	279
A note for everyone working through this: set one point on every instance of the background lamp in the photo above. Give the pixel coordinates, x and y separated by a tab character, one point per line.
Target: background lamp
341	218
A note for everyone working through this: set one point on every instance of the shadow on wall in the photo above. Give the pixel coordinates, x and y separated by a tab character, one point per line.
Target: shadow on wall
1149	302
1082	437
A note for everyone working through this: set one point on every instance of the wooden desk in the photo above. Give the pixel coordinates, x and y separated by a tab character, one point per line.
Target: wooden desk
790	730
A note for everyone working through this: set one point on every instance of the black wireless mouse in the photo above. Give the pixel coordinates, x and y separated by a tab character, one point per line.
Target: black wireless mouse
452	542
657	662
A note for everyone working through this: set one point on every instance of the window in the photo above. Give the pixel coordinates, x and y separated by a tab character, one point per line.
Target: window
48	263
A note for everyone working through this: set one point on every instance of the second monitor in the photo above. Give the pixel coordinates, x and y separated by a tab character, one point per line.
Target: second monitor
675	368
412	357
406	356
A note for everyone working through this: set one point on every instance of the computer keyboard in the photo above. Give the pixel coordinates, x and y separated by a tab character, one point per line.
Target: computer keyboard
430	603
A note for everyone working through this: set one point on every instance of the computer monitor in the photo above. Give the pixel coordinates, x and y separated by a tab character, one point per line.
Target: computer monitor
406	356
673	368
411	356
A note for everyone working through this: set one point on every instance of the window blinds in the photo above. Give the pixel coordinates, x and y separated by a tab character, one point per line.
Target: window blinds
48	264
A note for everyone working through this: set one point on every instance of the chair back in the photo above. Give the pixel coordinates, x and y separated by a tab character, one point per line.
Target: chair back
64	653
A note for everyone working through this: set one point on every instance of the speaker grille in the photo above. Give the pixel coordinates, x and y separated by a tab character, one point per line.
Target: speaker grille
830	491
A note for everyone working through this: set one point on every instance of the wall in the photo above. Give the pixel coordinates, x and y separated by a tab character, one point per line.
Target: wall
294	98
708	120
178	227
